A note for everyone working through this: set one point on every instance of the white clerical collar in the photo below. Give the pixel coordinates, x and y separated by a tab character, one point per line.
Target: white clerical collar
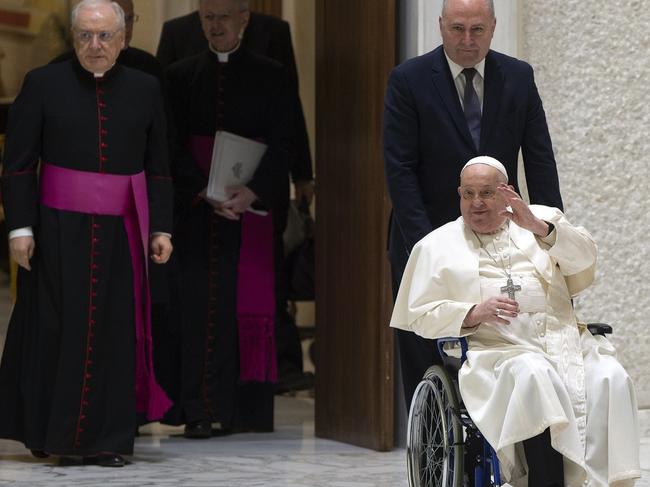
101	75
223	56
456	69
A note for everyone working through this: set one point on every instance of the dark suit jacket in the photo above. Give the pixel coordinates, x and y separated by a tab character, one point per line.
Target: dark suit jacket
266	35
427	142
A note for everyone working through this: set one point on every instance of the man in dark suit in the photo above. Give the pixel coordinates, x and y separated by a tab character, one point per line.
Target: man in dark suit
435	121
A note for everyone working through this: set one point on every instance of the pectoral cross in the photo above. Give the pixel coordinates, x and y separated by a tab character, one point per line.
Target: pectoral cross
510	288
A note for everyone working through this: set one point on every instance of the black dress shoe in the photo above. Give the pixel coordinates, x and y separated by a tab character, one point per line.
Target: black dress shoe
39	454
105	460
198	430
294	381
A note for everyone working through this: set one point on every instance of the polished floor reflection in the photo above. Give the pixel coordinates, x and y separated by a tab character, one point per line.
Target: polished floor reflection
289	457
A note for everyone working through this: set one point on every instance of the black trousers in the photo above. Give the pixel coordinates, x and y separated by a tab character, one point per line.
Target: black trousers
545	464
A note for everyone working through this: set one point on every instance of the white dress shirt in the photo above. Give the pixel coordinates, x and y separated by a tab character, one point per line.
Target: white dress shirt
459	79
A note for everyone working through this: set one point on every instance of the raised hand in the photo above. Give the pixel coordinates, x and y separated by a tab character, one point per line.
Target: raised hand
520	214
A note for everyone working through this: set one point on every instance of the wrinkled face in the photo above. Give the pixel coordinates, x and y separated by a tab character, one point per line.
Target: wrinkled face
467	27
480	202
223	23
98	39
129	18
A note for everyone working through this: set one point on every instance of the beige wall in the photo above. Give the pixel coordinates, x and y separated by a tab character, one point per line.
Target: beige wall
152	15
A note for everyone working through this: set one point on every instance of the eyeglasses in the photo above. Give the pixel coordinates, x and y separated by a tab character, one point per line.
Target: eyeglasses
484	194
85	36
129	19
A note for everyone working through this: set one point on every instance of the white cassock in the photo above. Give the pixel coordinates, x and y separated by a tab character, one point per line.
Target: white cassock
542	370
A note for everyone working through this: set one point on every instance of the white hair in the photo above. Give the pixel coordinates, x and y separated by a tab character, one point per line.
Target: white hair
89	4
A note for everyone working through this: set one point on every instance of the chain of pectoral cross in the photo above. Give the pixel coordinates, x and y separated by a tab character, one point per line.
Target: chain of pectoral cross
510	286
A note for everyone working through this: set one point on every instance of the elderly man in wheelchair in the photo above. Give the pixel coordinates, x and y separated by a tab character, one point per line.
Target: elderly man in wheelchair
550	399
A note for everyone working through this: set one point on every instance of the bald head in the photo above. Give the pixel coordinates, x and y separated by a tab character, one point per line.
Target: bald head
489	4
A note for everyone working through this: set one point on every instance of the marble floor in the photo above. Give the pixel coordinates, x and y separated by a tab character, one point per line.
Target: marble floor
289	457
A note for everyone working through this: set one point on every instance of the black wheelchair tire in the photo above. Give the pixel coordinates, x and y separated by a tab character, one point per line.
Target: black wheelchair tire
434	442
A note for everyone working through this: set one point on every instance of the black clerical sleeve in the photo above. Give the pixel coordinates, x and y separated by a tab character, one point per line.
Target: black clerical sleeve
188	179
21	156
156	165
271	37
269	182
166	53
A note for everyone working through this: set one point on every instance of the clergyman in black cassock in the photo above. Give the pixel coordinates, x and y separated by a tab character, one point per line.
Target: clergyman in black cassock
71	378
268	36
231	89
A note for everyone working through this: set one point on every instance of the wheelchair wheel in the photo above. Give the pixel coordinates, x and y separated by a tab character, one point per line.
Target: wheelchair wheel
434	442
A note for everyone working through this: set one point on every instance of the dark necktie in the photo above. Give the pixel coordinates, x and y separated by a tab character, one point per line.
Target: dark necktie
472	107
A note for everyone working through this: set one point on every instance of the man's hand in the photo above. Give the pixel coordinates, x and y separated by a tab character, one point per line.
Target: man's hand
230	215
22	249
521	213
161	248
240	199
493	310
304	191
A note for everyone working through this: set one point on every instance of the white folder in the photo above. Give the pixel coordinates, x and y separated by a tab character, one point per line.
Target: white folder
234	161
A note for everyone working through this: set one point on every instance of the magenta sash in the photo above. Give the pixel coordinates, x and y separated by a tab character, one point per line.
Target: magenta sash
255	284
126	196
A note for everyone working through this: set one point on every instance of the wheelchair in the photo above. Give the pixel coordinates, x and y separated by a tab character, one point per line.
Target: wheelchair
444	448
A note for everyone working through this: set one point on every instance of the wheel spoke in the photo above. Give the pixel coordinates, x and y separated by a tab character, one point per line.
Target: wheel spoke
433	446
